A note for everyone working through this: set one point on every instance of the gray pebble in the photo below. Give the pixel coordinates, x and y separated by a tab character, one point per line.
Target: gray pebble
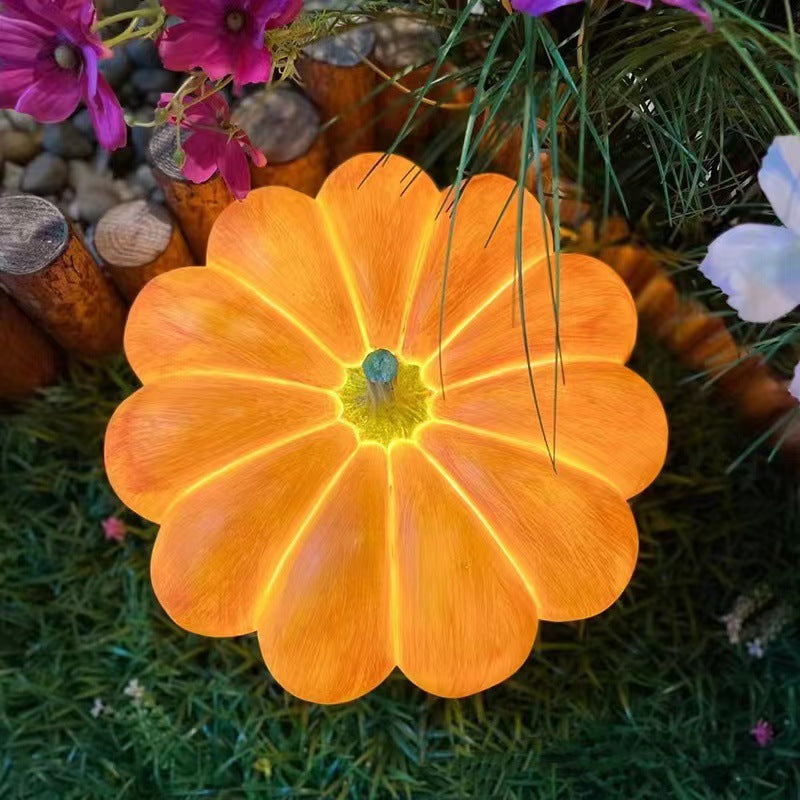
140	137
153	80
95	193
83	122
19	146
143	53
67	141
117	68
21	122
12	177
46	174
144	178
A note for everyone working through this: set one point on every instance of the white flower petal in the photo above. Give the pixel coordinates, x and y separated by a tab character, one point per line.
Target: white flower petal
779	178
758	267
794	386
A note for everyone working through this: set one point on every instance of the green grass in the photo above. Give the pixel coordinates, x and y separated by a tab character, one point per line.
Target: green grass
650	700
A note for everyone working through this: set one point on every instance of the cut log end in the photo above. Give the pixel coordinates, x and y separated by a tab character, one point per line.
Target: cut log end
33	234
46	268
162	152
345	49
405	41
133	234
280	122
195	205
137	241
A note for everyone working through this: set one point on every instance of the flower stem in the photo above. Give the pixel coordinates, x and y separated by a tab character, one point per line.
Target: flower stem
136	14
132	31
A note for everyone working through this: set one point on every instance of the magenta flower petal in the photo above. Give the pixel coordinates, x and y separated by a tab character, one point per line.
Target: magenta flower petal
90	70
107	117
51	97
212	10
13	83
253	66
235	170
695	8
23	42
49	61
538	7
184	47
277	13
203	150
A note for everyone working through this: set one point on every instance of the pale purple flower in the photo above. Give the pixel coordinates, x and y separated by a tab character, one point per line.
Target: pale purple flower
794	386
755	648
48	64
763	733
538	7
215	144
758	266
224	37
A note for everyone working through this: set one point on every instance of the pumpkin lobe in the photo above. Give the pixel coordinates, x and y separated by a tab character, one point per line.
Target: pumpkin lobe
385	399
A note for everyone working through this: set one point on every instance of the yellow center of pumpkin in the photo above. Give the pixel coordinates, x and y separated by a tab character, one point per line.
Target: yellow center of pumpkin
384	398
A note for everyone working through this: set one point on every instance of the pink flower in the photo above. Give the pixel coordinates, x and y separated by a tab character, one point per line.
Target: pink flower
763	733
224	37
48	64
114	529
215	144
538	7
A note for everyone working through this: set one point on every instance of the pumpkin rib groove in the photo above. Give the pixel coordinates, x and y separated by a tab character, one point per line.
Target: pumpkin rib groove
535	364
394	570
462	494
347	275
523	445
447	340
416	275
307	520
280	310
237	462
255	377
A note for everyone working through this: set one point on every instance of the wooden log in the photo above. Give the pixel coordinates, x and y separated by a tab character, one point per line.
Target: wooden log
403	42
47	269
506	148
195	205
335	77
137	241
285	126
405	49
29	359
701	341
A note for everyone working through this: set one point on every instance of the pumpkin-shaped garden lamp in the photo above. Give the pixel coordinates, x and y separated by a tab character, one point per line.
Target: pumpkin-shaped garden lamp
315	483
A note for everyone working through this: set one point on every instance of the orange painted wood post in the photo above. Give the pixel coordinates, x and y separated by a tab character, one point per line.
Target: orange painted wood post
28	359
342	86
137	241
506	160
285	126
195	205
47	269
702	342
403	42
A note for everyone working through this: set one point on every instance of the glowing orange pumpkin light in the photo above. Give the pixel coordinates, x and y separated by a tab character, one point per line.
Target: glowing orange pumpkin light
314	484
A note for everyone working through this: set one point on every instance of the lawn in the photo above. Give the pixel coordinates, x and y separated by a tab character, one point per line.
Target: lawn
102	696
